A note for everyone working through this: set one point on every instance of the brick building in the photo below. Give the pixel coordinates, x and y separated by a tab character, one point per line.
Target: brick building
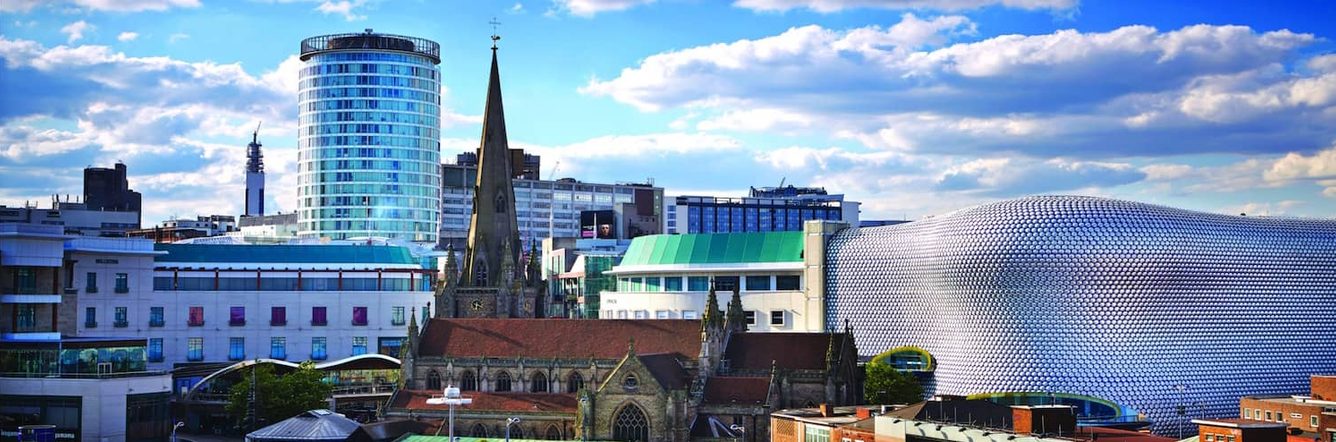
1312	415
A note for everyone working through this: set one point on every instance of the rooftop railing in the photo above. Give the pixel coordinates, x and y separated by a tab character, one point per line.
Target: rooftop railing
373	41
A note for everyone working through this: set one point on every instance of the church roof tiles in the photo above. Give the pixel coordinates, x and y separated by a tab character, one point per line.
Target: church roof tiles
558	338
513	402
791	351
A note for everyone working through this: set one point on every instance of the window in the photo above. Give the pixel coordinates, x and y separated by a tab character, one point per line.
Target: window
631	424
433	380
653	284
758	283
751	317
631	382
698	283
816	434
278	316
237	317
574	382
397	316
122	317
621	314
640	314
776	317
155	317
359	315
236	349
1268	415
538	384
155	349
1210	438
1312	420
90	317
502	382
786	282
1247	413
27	316
196	318
278	347
318	317
122	283
468	382
359	345
318	351
690	314
25	281
392	347
662	314
672	284
725	283
91	285
195	349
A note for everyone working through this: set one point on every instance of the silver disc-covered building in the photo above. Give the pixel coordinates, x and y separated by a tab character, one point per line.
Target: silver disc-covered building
1143	307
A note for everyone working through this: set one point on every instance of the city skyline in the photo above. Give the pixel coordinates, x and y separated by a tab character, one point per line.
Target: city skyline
914	111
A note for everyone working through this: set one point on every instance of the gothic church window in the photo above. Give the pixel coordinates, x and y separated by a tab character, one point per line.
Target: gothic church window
553	433
574	382
501	203
480	275
467	382
479	430
539	383
433	380
630	424
503	381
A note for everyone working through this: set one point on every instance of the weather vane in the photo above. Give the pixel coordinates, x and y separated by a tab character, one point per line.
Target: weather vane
495	37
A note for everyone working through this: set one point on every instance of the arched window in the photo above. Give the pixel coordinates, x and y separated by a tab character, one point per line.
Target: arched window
631	382
480	275
467	382
502	381
630	424
433	380
553	433
500	203
516	432
574	382
479	430
539	383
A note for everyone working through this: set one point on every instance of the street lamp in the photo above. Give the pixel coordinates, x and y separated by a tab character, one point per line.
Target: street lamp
174	427
510	421
451	399
740	429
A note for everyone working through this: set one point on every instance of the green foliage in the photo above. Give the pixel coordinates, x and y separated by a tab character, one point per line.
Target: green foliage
886	385
279	396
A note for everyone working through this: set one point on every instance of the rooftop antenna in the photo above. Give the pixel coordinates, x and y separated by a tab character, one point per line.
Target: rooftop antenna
495	37
255	136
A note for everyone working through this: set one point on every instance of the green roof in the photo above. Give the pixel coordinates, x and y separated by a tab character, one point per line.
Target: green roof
306	254
715	248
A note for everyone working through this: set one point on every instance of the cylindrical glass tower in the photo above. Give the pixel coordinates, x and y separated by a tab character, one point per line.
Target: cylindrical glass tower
369	137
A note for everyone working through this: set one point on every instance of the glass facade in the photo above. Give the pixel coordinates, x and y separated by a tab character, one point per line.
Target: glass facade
70	359
1097	297
369	131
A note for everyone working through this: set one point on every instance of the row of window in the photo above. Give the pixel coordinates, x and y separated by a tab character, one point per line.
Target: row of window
380	104
425	179
367	92
391	189
330	57
1277	416
538	382
122	283
368	128
675	283
370	68
777	317
287	284
347	164
368	80
419	151
428	227
278	348
384	117
378	201
326	142
711	219
278	316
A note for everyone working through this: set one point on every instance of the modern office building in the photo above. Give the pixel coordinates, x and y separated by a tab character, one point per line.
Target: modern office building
765	209
524	166
1144	308
75	217
369	137
546	208
109	190
89	388
219	303
254	177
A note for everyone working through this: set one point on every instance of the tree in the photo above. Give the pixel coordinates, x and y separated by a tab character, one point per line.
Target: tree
279	396
886	385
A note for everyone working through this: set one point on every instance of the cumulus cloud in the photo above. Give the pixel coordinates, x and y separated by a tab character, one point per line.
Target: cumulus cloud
828	6
1319	168
346	8
177	37
589	8
135	5
75	31
127	36
1013	176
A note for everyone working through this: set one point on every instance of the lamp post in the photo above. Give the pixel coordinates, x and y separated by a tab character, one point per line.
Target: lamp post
175	427
740	429
510	421
451	399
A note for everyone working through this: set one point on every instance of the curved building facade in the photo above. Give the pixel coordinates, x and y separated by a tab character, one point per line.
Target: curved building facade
1148	307
369	137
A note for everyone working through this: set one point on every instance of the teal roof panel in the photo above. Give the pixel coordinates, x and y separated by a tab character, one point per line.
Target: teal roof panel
309	254
715	248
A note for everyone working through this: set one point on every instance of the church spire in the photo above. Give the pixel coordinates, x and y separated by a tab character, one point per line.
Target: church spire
493	235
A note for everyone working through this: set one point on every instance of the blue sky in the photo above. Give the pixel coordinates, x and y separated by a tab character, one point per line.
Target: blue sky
914	107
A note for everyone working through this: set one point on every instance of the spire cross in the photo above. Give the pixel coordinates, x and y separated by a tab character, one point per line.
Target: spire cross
495	37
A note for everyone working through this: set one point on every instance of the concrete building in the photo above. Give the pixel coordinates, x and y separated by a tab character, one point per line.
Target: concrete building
90	389
1136	305
218	303
369	137
108	189
76	218
766	209
274	228
178	229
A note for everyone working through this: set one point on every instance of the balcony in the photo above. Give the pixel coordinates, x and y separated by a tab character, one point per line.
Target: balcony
281	322
237	322
199	323
319	322
120	324
156	323
122	289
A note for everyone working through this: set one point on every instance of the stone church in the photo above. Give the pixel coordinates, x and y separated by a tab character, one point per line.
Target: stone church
645	380
491	282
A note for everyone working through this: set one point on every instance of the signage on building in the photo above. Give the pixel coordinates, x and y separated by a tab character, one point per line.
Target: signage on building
597	224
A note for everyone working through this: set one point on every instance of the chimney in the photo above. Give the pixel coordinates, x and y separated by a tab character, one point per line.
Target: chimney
863	413
826	410
1043	419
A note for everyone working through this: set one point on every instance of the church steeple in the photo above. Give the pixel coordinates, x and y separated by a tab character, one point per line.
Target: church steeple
493	242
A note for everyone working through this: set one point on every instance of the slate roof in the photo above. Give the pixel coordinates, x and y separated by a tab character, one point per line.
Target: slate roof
313	425
791	351
515	402
558	338
723	390
293	254
667	369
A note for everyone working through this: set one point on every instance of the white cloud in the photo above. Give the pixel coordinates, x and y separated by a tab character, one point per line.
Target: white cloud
346	8
828	6
1263	209
518	8
75	30
1319	168
1018	176
135	5
589	8
177	37
127	36
18	5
